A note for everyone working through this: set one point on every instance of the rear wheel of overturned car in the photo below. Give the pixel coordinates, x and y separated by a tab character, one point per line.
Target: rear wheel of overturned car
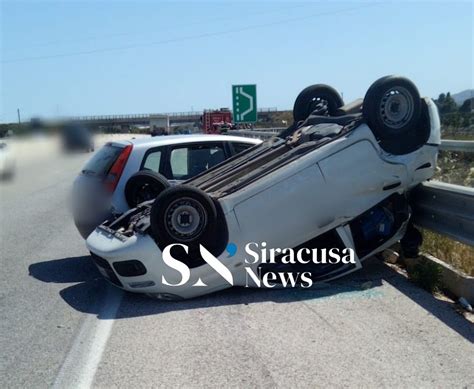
313	97
392	109
186	215
143	186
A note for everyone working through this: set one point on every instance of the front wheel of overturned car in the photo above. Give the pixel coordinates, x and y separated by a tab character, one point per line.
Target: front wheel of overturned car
392	108
186	215
143	186
313	97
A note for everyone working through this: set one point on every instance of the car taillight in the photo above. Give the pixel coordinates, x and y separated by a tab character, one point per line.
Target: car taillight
116	170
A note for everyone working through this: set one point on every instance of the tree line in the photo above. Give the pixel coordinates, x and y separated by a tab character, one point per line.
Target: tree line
453	117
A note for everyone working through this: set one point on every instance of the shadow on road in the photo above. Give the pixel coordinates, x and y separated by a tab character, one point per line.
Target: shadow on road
66	270
79	271
363	284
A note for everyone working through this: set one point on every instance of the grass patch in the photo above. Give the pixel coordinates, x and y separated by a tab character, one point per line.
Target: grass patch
457	254
427	275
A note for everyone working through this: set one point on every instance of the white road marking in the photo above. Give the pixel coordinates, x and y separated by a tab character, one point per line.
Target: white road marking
81	363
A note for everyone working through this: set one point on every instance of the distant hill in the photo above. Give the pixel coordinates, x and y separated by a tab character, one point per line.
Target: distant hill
461	97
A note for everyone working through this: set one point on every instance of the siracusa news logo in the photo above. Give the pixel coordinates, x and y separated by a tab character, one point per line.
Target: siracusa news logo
256	254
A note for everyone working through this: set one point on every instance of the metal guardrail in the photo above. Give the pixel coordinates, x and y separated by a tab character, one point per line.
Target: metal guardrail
147	115
443	208
446	209
108	117
457	145
133	116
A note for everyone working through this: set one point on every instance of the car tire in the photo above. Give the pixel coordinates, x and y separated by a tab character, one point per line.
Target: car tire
310	97
392	109
143	186
186	215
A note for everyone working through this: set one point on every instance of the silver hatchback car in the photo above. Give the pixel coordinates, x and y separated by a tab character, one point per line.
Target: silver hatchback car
125	173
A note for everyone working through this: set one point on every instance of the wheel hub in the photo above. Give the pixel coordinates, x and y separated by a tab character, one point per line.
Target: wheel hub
185	218
396	107
318	104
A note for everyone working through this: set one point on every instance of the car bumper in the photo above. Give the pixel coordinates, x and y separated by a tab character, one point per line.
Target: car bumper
122	261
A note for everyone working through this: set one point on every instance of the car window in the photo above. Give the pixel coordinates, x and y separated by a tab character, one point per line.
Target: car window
239	147
188	161
153	161
102	161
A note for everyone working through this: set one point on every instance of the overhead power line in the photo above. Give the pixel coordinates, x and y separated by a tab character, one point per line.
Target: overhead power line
141	33
185	38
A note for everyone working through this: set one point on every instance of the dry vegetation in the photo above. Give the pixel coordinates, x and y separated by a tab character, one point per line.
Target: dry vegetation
455	168
459	255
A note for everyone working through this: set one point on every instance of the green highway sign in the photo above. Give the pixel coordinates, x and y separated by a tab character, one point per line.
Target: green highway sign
244	103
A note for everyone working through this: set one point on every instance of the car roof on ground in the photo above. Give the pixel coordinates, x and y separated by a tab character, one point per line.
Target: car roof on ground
163	140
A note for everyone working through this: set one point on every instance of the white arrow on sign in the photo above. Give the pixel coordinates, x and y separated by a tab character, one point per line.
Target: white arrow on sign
242	115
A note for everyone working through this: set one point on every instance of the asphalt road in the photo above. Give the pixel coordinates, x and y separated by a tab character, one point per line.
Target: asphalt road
62	325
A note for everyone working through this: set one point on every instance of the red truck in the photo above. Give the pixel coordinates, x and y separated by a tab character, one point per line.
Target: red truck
216	121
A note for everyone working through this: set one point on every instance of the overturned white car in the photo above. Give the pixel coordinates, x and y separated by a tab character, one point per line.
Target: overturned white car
335	180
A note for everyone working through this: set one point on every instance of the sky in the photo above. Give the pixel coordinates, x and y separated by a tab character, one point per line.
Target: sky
109	57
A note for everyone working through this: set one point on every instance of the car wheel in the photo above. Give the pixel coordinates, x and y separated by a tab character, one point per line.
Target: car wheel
392	108
143	186
309	98
184	214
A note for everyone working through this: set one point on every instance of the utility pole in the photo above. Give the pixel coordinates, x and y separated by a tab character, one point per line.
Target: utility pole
18	112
